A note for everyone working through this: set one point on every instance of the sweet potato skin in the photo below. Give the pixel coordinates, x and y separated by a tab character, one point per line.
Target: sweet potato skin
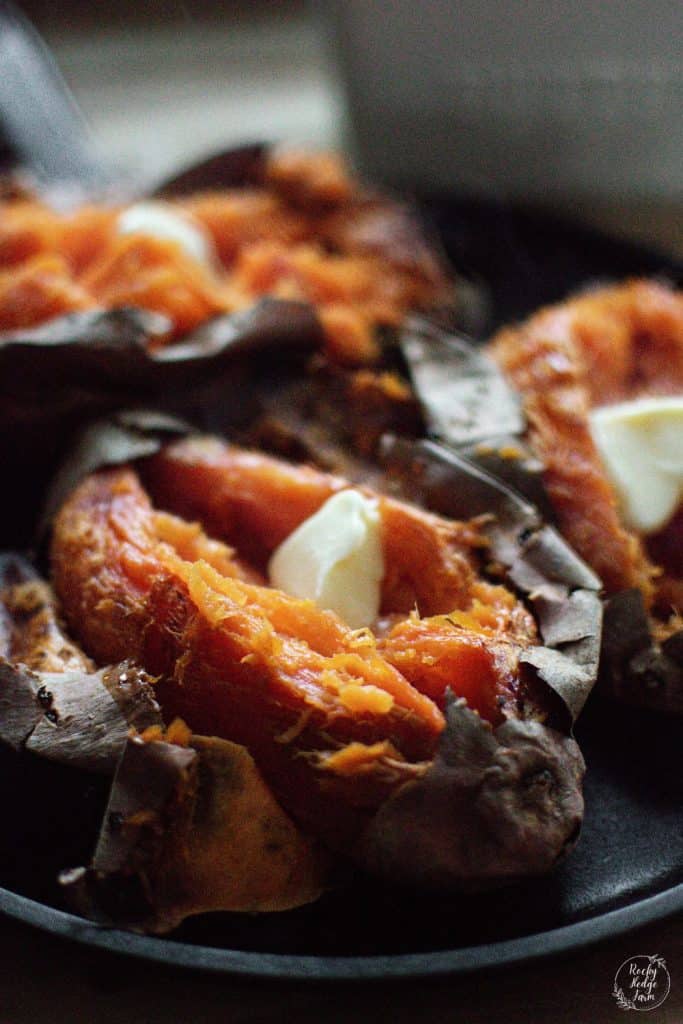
240	850
494	805
192	828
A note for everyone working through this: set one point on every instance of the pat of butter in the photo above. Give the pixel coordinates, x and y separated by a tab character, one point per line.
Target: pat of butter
159	220
335	559
641	446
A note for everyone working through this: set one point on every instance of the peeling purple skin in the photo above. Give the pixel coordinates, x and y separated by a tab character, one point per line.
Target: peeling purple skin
152	780
165	850
119	885
493	806
76	718
463	393
98	359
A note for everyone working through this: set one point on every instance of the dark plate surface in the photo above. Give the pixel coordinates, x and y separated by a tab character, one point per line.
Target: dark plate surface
524	259
628	867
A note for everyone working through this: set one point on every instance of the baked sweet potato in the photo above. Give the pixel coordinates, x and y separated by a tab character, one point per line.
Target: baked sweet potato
603	347
339	722
294	225
606	346
519	409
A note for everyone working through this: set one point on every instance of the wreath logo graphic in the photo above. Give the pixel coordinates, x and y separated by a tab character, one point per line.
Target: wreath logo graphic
642	983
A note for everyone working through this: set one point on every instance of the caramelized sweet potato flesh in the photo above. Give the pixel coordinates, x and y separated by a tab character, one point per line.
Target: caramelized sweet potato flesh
289	681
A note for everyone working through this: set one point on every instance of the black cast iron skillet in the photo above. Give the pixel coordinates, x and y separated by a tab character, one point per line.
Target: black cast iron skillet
628	868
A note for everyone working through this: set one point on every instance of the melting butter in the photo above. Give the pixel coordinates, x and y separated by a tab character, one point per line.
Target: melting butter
335	559
160	220
641	446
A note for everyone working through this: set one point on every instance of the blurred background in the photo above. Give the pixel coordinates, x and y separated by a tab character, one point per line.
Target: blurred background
164	82
575	106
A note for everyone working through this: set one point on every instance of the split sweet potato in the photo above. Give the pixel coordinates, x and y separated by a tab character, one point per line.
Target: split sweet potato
606	346
294	225
339	722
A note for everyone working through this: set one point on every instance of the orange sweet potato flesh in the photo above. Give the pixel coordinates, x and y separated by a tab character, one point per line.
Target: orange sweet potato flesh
39	289
224	665
255	501
27	229
156	275
333	721
306	231
463	651
461	634
611	345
